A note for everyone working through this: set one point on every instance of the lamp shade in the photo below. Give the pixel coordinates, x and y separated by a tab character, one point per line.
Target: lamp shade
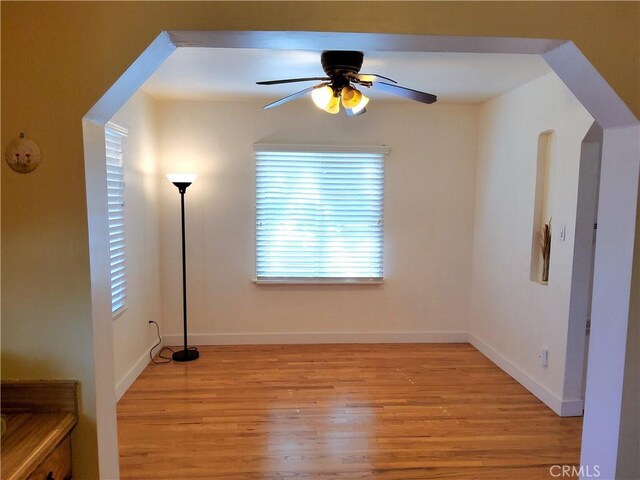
181	177
350	97
322	96
361	104
333	106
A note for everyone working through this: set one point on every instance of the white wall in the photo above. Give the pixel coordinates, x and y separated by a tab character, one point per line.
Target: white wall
511	317
132	334
429	195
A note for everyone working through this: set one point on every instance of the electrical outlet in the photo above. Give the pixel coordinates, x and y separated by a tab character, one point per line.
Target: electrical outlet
544	357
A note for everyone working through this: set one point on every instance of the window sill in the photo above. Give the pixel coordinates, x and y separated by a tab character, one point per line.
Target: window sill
318	281
118	313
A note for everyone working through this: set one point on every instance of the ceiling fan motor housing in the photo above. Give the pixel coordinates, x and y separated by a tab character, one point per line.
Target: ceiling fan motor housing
338	63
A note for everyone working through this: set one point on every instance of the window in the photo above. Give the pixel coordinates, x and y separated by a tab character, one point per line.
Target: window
115	208
319	213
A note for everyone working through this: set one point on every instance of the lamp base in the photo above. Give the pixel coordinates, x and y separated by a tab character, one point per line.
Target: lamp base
185	355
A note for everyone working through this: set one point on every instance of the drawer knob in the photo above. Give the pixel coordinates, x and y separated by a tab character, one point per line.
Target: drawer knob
50	476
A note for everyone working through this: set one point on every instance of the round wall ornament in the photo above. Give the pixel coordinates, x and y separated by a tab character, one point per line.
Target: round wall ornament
23	155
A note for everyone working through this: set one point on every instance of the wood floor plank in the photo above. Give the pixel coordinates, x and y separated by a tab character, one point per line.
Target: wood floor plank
348	412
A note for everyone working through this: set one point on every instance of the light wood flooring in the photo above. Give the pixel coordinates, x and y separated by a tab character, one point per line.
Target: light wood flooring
394	411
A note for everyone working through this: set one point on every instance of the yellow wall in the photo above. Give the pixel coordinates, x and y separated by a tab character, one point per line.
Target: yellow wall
58	58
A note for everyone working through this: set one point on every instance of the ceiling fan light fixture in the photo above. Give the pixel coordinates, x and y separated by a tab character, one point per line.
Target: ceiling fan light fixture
350	97
333	106
361	104
322	96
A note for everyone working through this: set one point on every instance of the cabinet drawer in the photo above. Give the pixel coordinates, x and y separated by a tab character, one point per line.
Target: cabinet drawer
57	466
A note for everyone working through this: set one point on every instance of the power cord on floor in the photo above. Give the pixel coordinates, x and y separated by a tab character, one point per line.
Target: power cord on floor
164	358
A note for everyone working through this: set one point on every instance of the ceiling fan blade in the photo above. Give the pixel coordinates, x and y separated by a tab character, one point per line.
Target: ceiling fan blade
293	96
291	80
370	77
405	92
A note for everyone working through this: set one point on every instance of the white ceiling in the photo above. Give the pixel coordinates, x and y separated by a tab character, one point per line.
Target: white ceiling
224	74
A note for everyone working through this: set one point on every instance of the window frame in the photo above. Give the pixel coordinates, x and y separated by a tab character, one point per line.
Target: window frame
382	150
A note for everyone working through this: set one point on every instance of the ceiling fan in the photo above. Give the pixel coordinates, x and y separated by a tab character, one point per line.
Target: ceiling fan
342	69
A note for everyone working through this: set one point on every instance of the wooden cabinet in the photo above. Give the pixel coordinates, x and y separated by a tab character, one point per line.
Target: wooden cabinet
40	417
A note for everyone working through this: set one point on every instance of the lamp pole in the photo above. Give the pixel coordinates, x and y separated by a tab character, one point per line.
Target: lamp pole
182	182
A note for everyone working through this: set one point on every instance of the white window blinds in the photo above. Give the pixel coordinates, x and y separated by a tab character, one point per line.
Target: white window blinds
115	208
319	213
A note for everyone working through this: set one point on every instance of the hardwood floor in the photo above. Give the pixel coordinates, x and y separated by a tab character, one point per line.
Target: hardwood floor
396	411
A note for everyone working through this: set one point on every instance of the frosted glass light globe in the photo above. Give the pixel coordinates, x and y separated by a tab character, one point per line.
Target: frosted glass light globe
322	96
361	104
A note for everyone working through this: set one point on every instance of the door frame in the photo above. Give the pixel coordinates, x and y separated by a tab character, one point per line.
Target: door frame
618	188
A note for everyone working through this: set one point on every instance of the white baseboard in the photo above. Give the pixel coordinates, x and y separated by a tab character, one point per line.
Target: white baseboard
318	337
134	372
564	408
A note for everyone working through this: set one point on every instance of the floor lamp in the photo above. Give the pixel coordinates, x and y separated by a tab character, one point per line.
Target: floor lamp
182	181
